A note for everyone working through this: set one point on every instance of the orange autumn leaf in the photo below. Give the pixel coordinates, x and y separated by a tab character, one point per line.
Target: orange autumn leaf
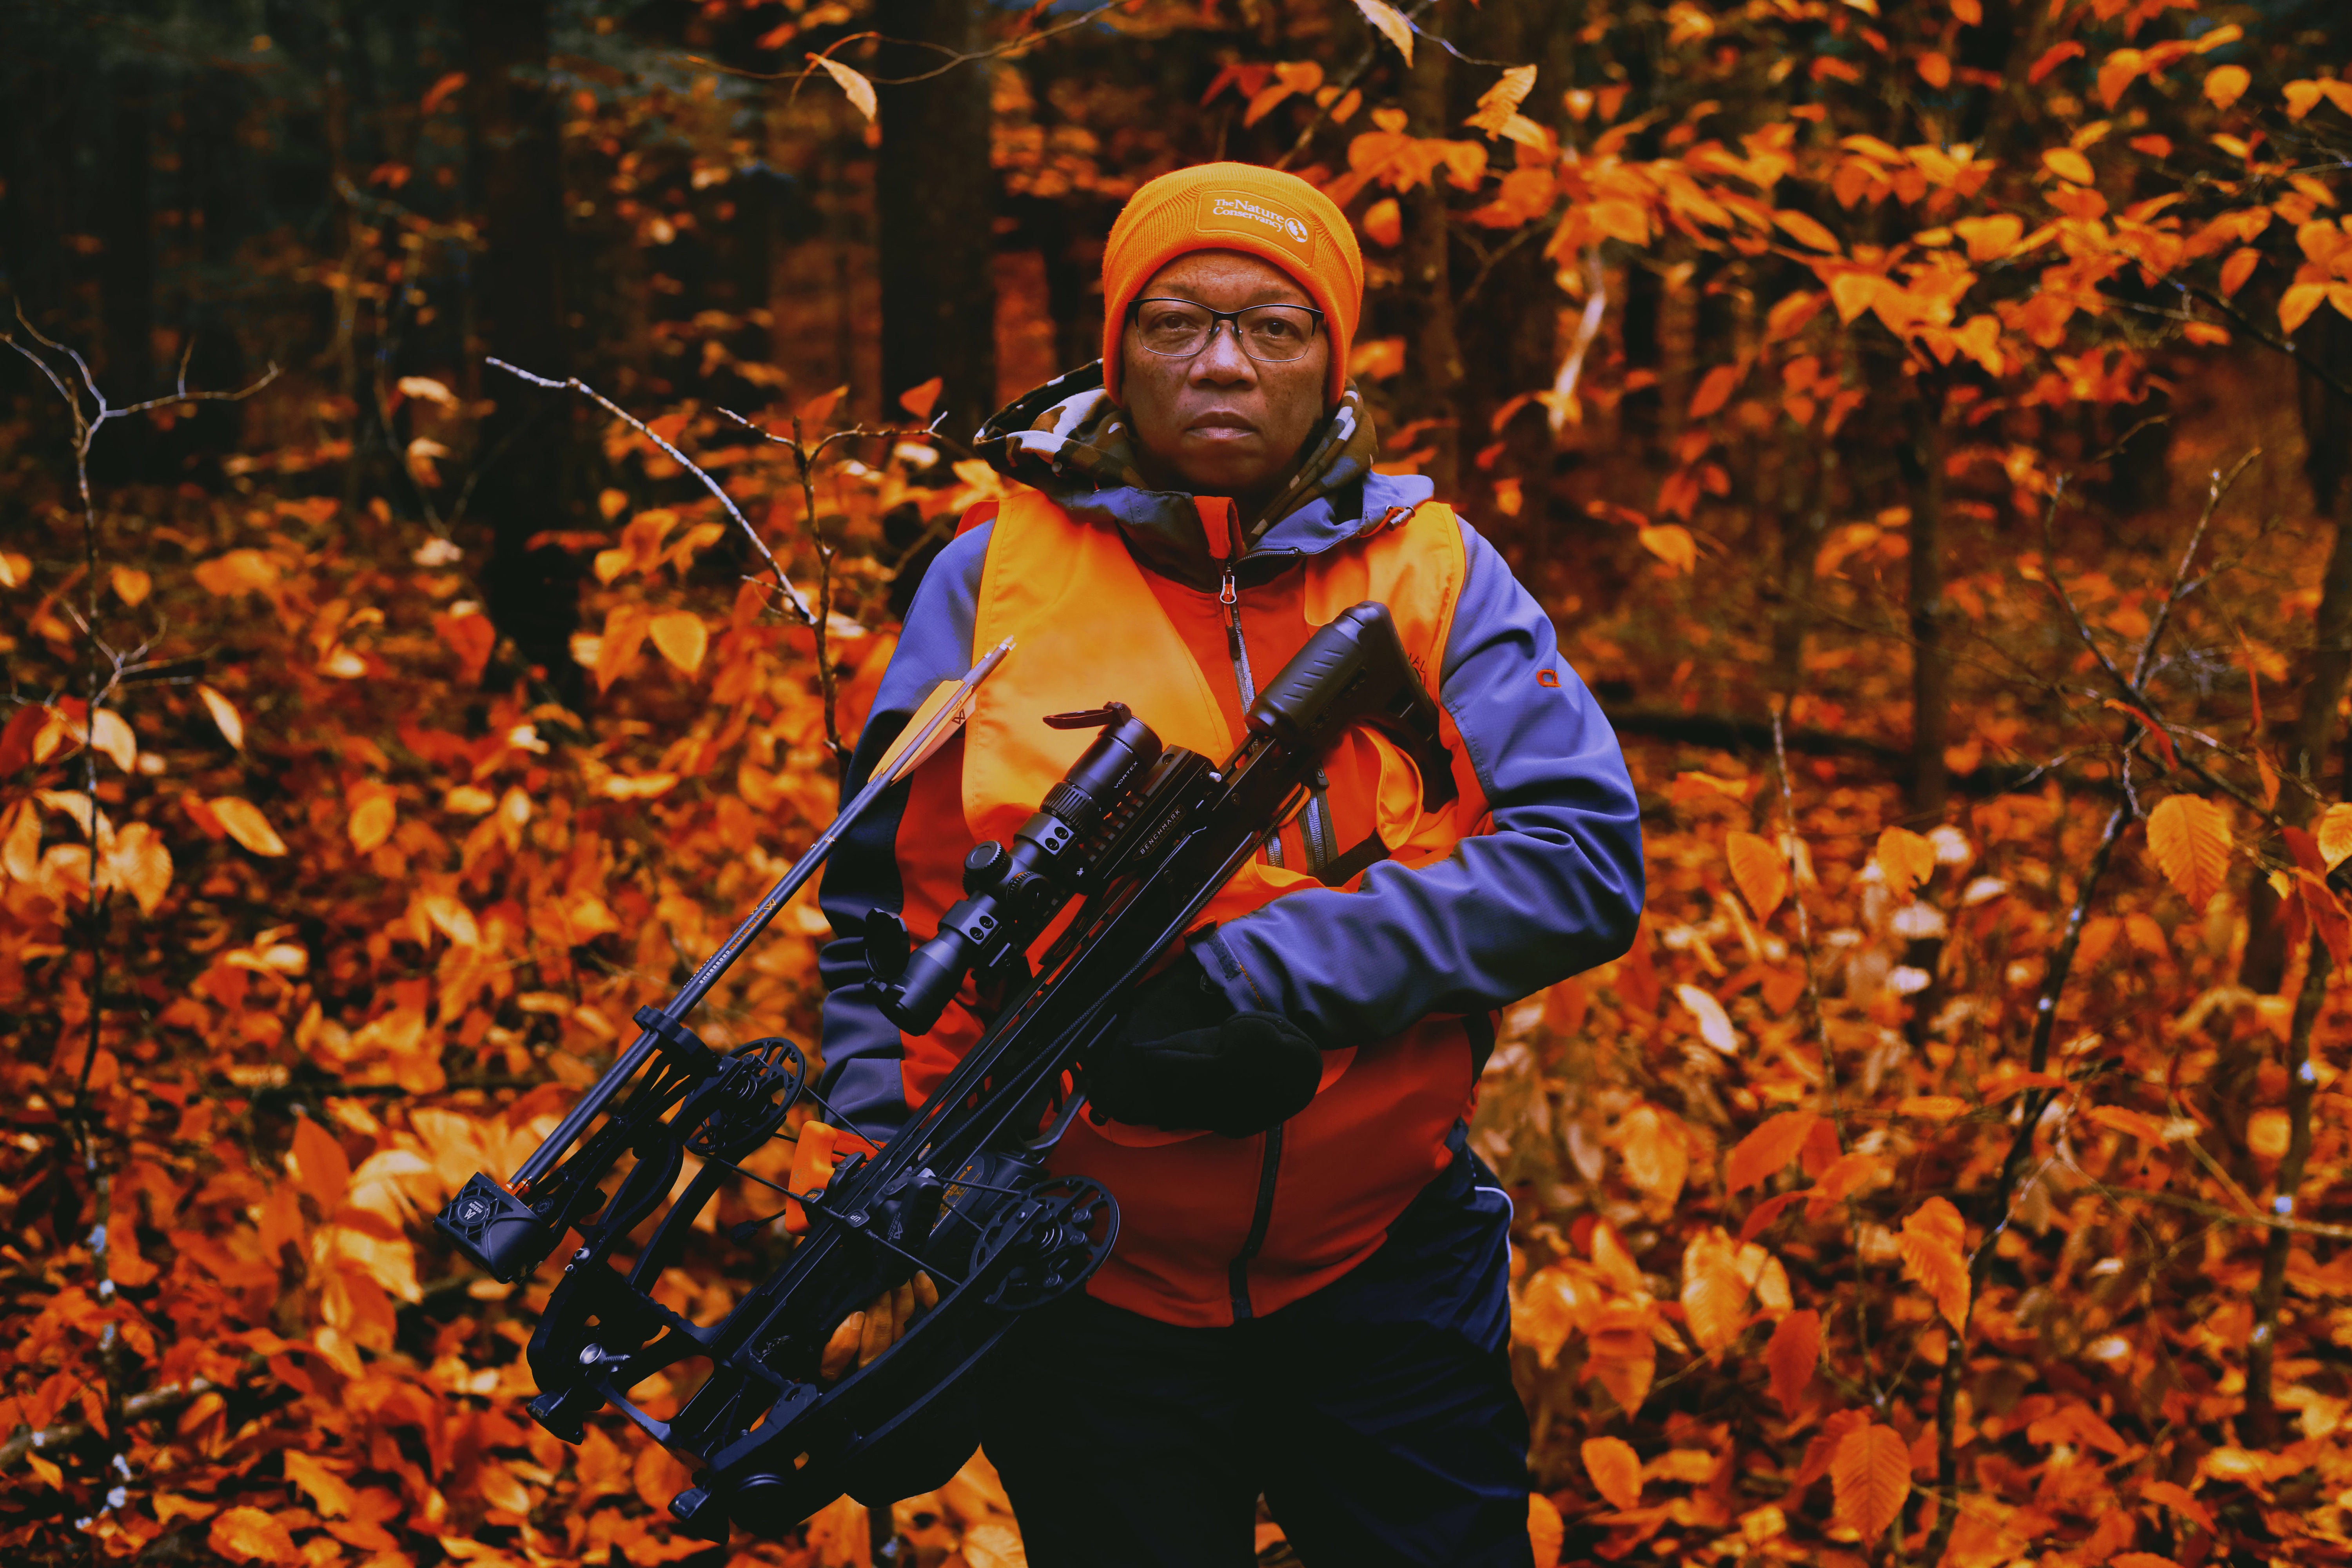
1714	1296
249	1535
1615	1469
616	650
853	83
1767	1150
2189	839
2224	85
1672	543
1871	1472
1907	860
1656	1162
321	1164
243	821
2296	305
1547	1531
682	638
226	716
1806	230
2068	164
1714	390
922	398
140	862
1930	1246
371	821
131	584
1791	1355
329	1491
1760	870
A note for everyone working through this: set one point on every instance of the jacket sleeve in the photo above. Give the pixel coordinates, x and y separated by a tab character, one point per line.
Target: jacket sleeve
862	1085
1553	889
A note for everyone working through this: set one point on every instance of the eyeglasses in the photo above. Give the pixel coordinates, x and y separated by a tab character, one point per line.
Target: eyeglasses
1272	334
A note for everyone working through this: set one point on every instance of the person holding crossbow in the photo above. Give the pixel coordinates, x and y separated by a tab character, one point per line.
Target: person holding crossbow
1308	1297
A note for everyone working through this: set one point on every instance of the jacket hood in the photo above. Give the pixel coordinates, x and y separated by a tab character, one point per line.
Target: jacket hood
1069	440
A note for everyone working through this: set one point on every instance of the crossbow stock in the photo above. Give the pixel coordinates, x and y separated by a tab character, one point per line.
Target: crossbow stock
1138	835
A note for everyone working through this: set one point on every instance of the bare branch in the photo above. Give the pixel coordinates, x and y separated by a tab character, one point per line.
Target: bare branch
573	383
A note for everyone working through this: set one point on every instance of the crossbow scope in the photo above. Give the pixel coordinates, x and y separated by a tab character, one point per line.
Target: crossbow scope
1139	837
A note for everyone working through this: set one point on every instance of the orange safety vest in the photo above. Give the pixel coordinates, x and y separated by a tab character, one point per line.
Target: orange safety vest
1214	1228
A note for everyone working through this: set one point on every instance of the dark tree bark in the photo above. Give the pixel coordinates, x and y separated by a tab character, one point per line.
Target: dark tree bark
2328	461
124	218
1923	459
533	594
937	204
1433	352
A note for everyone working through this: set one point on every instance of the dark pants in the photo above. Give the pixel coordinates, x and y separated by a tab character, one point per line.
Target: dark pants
1377	1415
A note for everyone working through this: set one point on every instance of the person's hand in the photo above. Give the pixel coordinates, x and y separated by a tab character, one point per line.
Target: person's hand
1183	1059
863	1335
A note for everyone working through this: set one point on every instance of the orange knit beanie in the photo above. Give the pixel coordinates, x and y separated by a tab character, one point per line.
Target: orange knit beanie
1235	206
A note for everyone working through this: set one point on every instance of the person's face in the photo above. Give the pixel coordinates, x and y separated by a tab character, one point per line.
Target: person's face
1220	423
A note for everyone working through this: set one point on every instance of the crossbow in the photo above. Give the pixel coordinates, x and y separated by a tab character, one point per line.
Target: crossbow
1138	836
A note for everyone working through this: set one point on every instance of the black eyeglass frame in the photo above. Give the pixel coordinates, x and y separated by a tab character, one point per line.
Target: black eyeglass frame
1216	319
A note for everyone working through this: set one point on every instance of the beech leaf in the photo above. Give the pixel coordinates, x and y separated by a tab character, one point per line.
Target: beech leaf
1714	1296
226	716
1392	23
1791	1355
2188	839
1760	869
243	821
1906	858
2334	836
321	1165
249	1535
1871	1473
1767	1150
1500	102
1930	1248
1615	1469
1714	1023
682	638
329	1491
854	85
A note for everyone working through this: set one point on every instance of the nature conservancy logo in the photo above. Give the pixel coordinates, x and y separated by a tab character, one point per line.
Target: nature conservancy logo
1241	210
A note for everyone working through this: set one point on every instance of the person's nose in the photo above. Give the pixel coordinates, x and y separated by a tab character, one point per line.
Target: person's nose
1220	360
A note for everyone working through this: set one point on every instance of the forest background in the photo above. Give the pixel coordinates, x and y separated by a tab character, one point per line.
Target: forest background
1927	425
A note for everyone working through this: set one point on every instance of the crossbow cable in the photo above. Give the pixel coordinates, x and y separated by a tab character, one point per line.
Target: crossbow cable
507	1228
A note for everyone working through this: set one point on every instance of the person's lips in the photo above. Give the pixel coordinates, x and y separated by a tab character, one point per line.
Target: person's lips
1221	424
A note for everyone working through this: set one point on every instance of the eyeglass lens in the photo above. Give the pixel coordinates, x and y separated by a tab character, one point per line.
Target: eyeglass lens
1269	333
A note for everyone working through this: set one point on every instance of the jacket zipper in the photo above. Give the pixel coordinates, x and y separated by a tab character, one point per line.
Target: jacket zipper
1270	1160
1314	822
1237	1272
1239	651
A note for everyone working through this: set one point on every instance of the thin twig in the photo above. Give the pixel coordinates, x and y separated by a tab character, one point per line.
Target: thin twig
2262	1348
805	458
1015	45
573	383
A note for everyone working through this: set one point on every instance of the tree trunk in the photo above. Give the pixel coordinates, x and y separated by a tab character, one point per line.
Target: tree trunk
533	594
1931	659
2328	461
937	208
1432	353
1804	522
126	274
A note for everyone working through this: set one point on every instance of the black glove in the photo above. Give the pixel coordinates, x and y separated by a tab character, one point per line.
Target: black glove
1183	1058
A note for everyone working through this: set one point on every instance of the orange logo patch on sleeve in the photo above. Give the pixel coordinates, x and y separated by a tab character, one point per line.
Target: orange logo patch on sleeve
1546	678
